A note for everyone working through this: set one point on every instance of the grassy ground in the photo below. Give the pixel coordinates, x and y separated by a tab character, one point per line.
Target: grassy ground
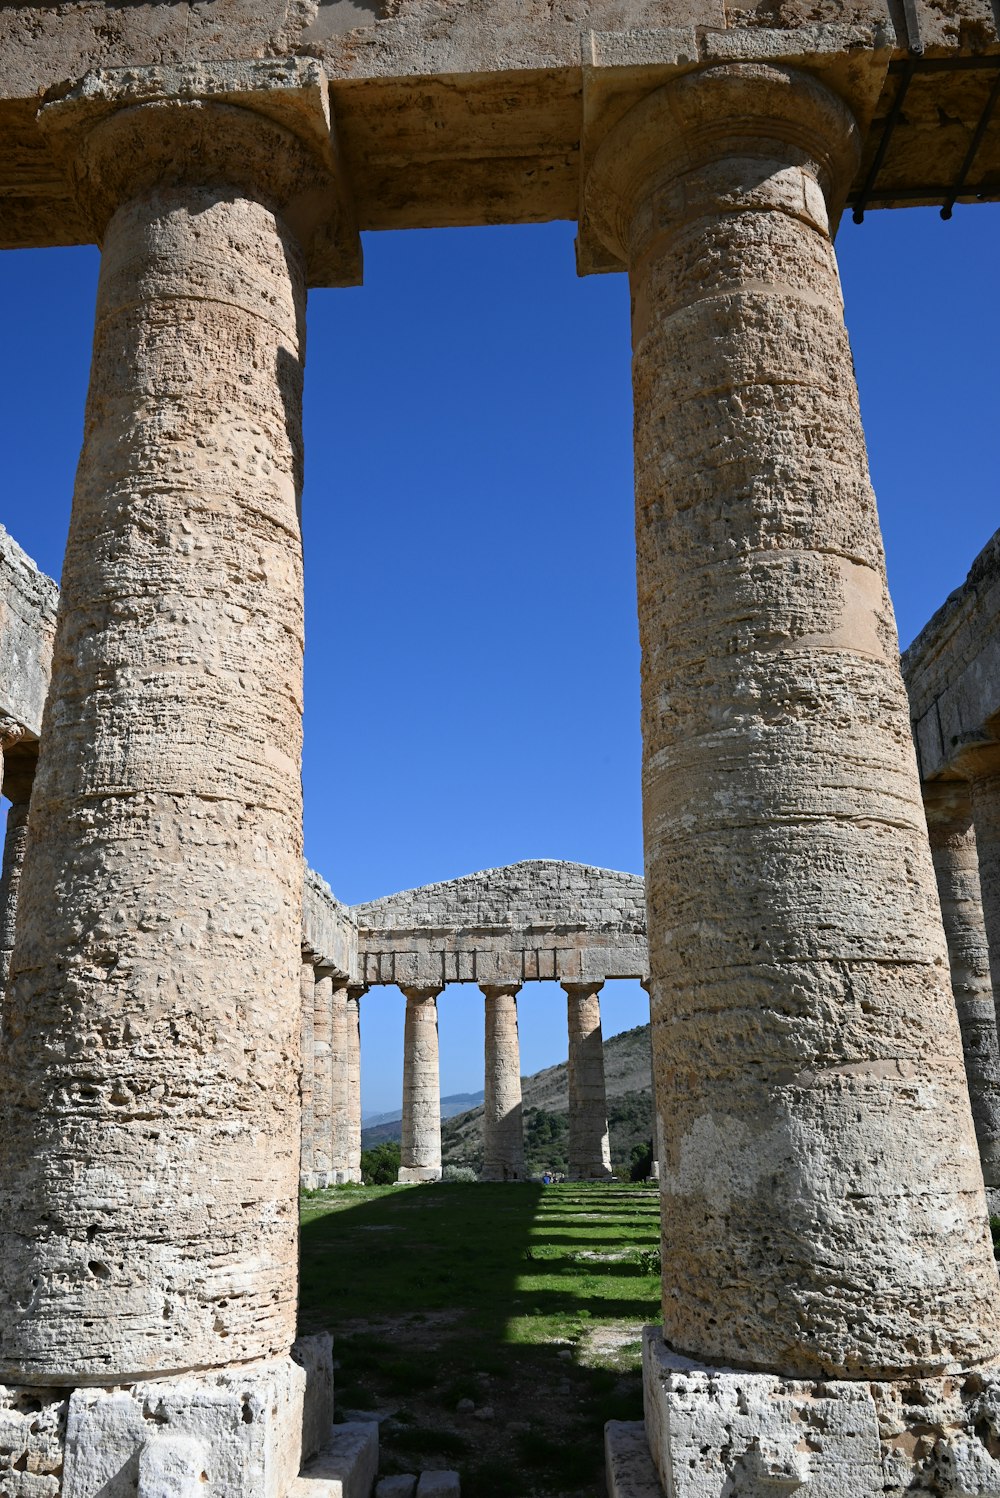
527	1300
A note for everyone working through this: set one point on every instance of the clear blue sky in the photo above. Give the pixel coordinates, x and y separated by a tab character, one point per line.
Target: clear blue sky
472	660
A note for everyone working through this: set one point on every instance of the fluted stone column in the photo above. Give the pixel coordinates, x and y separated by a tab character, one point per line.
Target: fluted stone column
654	1169
822	1196
307	1006
149	1109
17	772
338	1084
322	1088
589	1141
352	1046
503	1132
420	1149
948	808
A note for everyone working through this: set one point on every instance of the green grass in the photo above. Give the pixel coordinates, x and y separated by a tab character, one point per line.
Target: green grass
523	1298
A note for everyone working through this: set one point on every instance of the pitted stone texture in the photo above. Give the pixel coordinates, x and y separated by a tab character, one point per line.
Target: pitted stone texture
953	849
952	669
329	930
17	772
247	1422
28	602
984	788
345	1468
821	1185
307	1050
420	1144
322	1099
32	1438
629	1468
589	1148
713	1430
352	1025
149	1148
503	1131
314	1356
534	920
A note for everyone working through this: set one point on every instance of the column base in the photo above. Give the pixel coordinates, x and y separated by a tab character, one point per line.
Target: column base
719	1430
595	1173
418	1175
498	1173
232	1433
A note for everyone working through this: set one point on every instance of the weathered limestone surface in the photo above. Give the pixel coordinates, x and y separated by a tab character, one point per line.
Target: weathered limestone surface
948	806
307	1053
17	771
323	1079
952	669
458	114
352	1030
823	1209
329	930
503	1132
534	920
589	1151
28	602
149	1148
420	1144
713	1429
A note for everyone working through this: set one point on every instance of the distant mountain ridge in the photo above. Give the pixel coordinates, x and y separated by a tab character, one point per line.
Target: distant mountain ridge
628	1077
379	1127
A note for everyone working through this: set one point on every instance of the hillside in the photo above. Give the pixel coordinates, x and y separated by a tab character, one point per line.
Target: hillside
382	1126
627	1071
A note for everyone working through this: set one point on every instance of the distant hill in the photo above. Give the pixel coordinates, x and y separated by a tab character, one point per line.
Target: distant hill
382	1126
628	1078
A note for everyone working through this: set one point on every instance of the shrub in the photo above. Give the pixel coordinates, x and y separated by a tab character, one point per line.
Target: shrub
458	1174
380	1164
641	1161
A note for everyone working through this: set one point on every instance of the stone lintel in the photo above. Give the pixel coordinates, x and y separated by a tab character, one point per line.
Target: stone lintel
712	1430
291	93
621	67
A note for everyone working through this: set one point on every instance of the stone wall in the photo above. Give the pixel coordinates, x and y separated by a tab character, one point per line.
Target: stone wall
27	625
952	669
540	919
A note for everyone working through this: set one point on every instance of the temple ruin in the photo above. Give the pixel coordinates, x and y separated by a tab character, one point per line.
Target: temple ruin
829	1290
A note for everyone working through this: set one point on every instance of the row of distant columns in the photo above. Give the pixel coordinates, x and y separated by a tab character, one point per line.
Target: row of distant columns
963	822
331	1078
331	1084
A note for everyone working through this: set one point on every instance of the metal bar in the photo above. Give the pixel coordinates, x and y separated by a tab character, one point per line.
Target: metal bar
945	64
861	202
974	144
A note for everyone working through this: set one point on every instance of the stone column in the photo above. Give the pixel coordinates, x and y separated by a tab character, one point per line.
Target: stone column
352	1047
503	1133
149	1109
982	767
589	1142
654	1169
948	808
823	1211
420	1151
17	772
322	1090
307	1004
338	1085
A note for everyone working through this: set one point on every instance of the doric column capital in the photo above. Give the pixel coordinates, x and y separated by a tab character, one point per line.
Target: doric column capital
579	987
420	995
657	165
12	733
356	992
947	803
262	128
500	990
976	756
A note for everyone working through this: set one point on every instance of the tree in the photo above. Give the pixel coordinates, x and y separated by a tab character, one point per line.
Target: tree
380	1164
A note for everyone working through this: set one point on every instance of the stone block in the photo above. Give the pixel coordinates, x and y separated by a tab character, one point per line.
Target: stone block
247	1422
32	1433
345	1468
172	1467
439	1485
628	1464
315	1356
403	1485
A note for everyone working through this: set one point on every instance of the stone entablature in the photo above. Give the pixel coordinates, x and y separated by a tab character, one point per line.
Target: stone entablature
952	669
540	920
27	625
464	114
329	930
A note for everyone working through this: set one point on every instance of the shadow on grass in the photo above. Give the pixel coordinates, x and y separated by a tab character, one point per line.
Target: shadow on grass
440	1294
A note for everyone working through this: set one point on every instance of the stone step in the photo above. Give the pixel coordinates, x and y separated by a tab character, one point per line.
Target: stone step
630	1469
346	1467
